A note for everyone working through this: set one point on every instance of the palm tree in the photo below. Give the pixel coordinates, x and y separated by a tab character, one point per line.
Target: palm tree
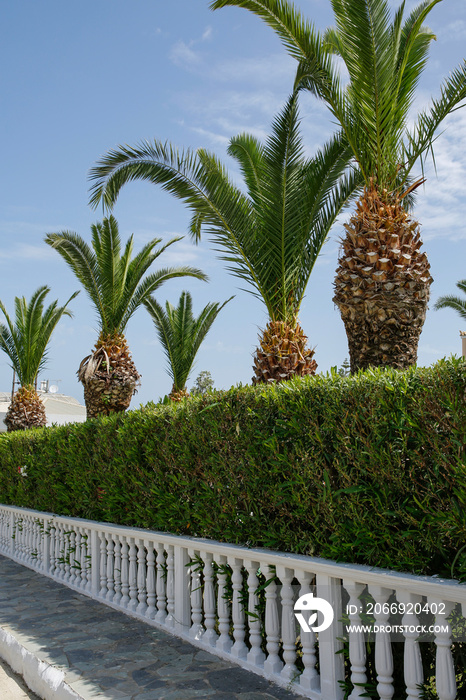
271	236
181	335
25	342
383	280
117	285
451	302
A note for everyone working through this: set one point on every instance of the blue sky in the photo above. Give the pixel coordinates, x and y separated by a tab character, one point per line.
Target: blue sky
79	78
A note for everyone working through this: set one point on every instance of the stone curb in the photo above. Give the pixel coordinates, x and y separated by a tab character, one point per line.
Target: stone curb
40	677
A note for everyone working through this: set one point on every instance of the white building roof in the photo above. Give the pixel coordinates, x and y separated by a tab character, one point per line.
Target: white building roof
59	408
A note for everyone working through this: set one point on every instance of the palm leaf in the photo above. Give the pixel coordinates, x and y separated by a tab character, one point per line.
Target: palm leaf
25	340
270	236
181	334
116	282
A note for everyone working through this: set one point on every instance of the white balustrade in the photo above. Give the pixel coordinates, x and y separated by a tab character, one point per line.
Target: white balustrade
239	603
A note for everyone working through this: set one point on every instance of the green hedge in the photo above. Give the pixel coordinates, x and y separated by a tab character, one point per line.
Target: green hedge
368	469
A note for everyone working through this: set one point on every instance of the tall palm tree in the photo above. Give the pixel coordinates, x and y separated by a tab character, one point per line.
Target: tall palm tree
451	302
181	335
117	285
383	280
271	236
25	341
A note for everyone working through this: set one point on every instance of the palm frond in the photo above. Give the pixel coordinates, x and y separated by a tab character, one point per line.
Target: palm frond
181	334
115	281
385	60
268	237
451	301
26	339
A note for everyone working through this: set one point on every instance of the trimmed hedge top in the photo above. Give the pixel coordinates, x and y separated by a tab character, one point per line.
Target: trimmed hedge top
369	469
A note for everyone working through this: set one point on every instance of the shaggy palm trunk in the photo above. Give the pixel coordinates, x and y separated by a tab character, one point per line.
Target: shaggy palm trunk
109	376
26	410
178	394
382	283
282	354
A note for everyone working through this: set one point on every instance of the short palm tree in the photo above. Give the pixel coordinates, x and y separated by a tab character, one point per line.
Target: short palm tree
270	236
383	280
25	341
181	335
451	302
117	285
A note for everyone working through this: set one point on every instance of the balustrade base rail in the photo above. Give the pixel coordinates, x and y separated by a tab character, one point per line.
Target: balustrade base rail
239	603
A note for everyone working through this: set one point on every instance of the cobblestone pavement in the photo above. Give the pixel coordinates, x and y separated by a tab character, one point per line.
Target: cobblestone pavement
106	654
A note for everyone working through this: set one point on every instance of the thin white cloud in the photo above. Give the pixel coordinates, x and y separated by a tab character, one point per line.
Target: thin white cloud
442	201
455	31
207	34
25	251
184	56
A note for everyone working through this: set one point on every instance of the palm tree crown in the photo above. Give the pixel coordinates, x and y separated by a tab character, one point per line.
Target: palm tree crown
384	60
116	283
181	334
25	339
271	236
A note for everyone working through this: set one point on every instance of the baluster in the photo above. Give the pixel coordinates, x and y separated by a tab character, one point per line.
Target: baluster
53	540
151	595
103	565
160	586
239	649
196	630
75	558
29	558
413	673
289	671
124	574
40	541
141	579
61	551
210	636
133	576
34	543
27	540
357	645
383	649
445	680
223	607
18	530
255	656
117	571
273	664
22	539
83	560
170	619
110	568
67	556
34	560
33	540
309	679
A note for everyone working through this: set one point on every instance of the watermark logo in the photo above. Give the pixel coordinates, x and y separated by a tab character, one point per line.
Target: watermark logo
308	603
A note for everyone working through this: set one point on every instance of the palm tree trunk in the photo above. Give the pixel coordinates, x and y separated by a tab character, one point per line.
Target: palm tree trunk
282	354
382	283
26	410
109	377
